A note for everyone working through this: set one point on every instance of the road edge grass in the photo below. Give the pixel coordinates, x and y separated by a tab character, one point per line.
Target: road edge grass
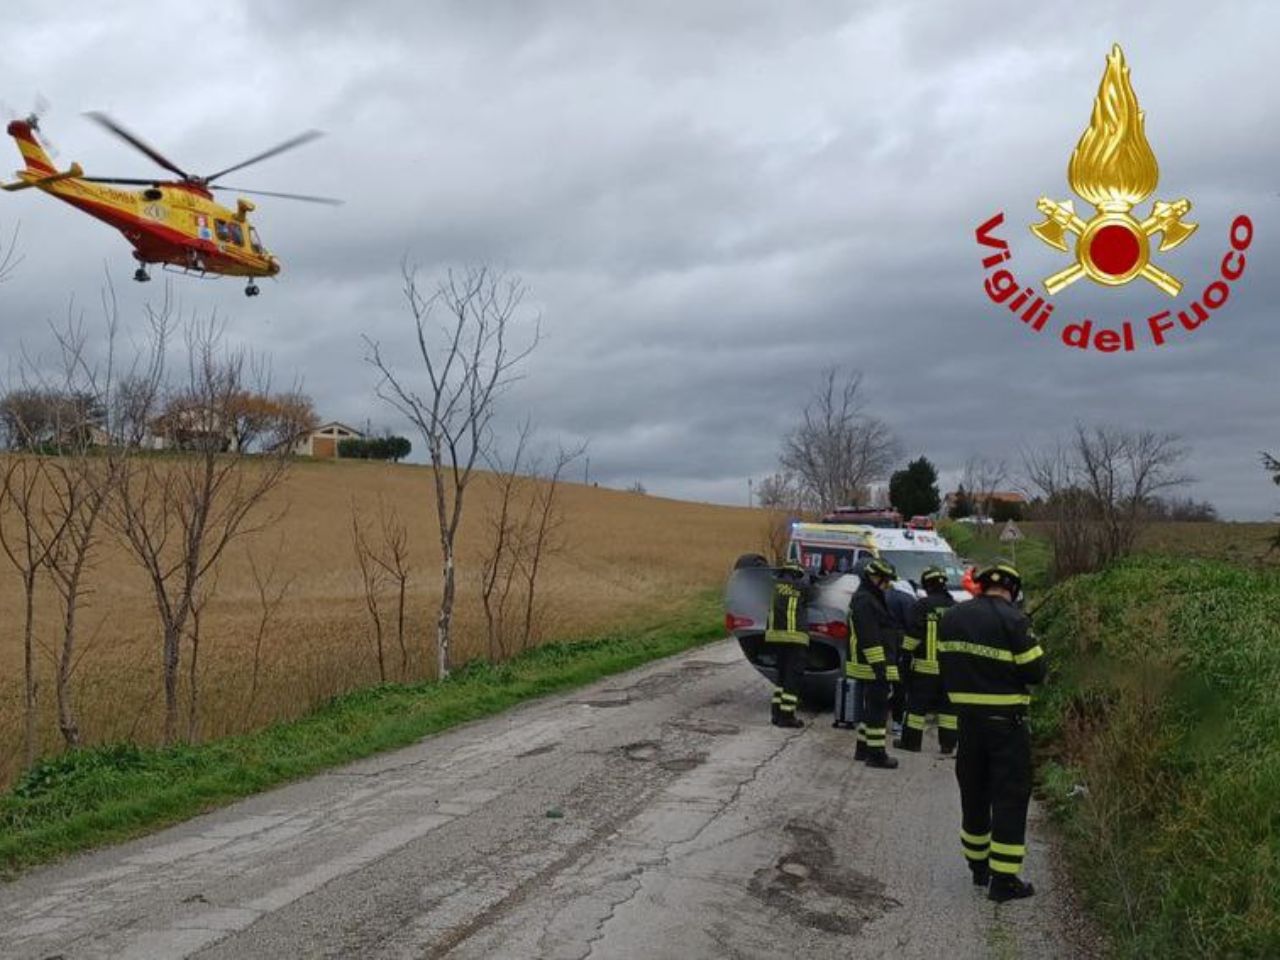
106	794
1159	757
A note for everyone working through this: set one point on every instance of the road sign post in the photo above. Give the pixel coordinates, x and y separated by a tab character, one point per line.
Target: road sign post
1010	534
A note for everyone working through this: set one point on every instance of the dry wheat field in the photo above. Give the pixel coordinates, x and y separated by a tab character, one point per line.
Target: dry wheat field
624	556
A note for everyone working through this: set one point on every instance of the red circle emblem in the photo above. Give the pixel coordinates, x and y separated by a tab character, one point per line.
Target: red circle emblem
1114	250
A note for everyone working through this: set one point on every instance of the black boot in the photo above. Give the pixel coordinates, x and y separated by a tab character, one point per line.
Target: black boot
1006	887
881	760
949	750
775	714
860	751
981	874
789	719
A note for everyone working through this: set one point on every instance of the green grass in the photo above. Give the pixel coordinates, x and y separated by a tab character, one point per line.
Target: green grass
1160	740
102	794
983	544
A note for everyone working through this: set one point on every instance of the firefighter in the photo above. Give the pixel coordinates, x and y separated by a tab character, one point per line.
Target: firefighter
901	606
787	638
988	658
924	683
874	640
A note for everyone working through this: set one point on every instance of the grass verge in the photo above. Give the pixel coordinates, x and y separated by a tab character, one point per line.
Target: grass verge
102	794
983	544
1160	733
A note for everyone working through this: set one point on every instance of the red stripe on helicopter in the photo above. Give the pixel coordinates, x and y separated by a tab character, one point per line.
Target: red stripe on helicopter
153	234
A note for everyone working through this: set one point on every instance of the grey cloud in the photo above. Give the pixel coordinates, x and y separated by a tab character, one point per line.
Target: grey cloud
710	203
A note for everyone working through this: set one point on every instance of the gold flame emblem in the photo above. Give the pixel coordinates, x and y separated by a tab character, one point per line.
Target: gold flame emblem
1114	168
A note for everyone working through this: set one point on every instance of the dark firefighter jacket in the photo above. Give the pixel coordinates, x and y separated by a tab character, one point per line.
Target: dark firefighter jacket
787	622
874	636
921	640
988	656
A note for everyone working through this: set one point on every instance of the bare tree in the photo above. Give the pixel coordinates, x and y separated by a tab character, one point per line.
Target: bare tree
779	492
82	482
1097	490
178	515
26	539
507	533
982	478
270	596
544	534
464	332
839	448
372	578
1125	470
393	558
1066	506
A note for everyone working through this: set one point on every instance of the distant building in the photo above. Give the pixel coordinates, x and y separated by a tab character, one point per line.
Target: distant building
322	442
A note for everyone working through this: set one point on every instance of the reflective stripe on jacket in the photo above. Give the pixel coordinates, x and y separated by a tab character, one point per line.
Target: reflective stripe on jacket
922	642
988	656
786	622
874	636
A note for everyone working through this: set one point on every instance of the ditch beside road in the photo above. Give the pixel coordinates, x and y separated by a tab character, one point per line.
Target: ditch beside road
653	814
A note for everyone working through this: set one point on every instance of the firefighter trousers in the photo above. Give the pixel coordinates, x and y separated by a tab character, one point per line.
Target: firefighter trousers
874	715
789	660
993	768
925	696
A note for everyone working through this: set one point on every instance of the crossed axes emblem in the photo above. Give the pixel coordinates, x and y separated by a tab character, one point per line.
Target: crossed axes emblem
1166	219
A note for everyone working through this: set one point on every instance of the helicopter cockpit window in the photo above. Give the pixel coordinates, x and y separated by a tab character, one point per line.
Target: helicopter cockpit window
229	232
254	241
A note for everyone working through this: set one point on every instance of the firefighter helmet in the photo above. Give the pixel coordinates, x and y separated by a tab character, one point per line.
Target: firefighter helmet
933	575
792	570
1000	574
880	568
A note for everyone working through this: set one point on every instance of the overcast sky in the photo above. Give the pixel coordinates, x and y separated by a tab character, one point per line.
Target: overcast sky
710	200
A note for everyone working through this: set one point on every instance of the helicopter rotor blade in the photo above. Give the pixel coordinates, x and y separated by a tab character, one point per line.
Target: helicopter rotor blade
138	144
331	201
304	137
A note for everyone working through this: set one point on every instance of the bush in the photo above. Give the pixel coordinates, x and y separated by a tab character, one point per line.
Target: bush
374	448
1003	510
1164	705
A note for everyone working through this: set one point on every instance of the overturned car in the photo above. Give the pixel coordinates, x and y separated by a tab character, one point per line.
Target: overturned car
832	554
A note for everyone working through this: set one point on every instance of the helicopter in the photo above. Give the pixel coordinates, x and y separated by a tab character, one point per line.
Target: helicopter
175	223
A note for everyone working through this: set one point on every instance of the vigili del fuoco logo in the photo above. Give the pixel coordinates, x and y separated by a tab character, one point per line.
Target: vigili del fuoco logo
1113	169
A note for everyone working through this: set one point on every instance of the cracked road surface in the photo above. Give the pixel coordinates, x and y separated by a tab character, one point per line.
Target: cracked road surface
655	814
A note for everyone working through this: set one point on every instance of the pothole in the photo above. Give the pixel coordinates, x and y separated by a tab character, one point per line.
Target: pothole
538	751
810	885
713	728
605	704
642	751
684	764
704	665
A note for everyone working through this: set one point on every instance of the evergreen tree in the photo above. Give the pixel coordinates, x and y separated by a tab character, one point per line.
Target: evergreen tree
963	506
914	491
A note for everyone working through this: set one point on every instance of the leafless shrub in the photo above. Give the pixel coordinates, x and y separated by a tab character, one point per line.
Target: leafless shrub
464	334
178	516
983	477
1096	489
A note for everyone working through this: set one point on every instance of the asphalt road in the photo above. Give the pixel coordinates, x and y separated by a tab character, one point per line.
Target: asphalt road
653	815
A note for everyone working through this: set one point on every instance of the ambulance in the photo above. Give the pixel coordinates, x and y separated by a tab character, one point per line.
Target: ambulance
832	553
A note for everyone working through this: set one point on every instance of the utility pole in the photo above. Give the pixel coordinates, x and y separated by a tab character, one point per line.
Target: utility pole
750	499
586	473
